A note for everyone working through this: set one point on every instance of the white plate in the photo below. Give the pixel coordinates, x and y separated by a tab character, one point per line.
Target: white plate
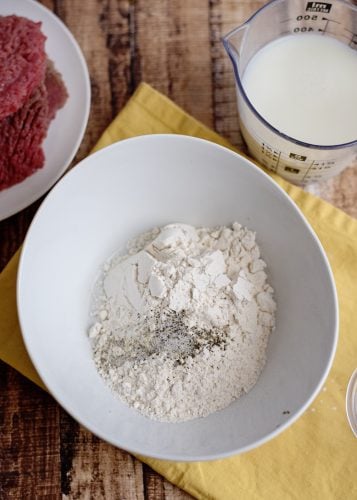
131	187
351	402
67	129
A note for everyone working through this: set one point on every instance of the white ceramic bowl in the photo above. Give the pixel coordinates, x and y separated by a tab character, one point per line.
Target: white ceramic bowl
128	188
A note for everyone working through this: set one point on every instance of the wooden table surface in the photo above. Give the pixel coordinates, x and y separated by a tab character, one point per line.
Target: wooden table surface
175	46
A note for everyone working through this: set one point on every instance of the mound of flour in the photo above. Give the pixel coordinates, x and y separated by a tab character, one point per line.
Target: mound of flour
182	320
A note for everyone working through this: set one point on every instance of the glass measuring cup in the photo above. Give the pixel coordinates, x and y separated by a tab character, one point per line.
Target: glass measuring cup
295	160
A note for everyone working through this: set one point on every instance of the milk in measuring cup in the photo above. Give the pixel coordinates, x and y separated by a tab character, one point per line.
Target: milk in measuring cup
295	66
305	86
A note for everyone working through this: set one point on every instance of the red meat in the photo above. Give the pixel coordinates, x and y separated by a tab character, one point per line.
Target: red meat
56	90
22	61
22	133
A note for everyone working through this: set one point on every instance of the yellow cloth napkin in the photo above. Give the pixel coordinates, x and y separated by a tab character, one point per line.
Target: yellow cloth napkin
316	457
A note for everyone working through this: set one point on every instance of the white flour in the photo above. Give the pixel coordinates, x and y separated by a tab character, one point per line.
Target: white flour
183	320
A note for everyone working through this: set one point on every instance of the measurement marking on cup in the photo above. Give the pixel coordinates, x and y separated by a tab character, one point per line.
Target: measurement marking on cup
292	170
316	168
297	157
307	171
330	20
324	30
272	155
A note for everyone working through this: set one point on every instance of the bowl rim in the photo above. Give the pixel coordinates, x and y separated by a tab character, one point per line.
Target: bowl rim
180	457
351	402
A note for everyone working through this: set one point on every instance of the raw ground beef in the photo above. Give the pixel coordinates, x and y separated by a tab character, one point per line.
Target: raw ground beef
31	92
22	133
56	90
22	61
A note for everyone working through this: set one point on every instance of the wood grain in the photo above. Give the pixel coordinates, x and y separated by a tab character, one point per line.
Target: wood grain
29	439
172	39
87	22
94	469
175	46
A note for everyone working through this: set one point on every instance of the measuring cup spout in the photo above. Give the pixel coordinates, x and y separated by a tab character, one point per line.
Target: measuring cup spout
234	44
